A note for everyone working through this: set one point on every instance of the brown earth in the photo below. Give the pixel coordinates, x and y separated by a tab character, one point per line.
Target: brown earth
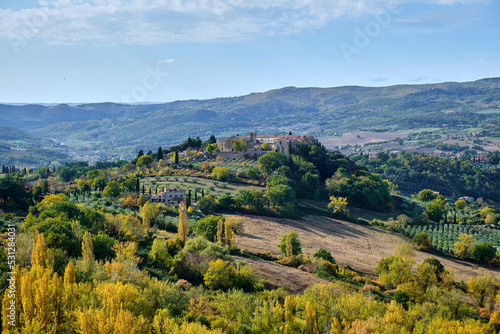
357	246
276	275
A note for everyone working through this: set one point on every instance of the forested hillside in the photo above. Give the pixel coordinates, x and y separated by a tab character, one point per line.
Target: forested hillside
108	130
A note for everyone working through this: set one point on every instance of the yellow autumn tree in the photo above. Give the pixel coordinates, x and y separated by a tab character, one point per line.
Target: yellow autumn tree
182	230
311	323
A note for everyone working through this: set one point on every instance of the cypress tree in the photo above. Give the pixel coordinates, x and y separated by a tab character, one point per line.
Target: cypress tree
176	156
143	189
182	231
159	154
188	198
211	140
137	185
141	153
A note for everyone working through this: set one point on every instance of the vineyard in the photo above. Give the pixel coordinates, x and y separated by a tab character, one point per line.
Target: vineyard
444	236
238	166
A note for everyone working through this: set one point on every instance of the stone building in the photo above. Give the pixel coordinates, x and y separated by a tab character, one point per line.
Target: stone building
278	143
169	196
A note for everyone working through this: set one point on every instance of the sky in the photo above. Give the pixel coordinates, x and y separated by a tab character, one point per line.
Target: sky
136	51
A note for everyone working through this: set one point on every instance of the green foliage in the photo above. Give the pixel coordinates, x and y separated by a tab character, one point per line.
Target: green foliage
363	189
240	145
207	227
253	173
436	209
422	241
402	298
206	205
274	180
221	173
426	195
271	161
112	190
144	160
325	255
290	244
484	252
413	172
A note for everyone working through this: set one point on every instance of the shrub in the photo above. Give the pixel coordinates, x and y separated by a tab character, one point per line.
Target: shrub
422	241
484	252
325	255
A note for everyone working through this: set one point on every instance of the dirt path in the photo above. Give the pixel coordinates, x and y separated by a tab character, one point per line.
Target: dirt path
358	246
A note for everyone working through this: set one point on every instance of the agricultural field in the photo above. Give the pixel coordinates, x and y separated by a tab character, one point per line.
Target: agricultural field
361	137
236	165
444	236
196	185
354	245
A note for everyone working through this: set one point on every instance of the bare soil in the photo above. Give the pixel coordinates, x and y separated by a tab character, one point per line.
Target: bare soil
276	275
354	245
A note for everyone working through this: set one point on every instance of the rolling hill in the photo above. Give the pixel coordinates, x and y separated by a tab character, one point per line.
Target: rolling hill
112	131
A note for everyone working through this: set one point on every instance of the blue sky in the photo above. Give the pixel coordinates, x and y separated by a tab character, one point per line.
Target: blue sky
56	51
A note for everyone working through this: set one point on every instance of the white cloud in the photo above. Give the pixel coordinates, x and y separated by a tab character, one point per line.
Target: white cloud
157	21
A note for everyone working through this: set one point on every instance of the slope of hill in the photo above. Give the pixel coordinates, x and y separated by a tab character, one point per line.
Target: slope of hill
121	129
354	245
21	148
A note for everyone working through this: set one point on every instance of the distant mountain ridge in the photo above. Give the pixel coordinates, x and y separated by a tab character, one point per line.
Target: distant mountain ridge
118	130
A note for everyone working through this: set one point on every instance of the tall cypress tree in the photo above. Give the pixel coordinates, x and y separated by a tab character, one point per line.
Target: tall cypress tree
176	156
137	184
159	154
188	198
141	153
212	140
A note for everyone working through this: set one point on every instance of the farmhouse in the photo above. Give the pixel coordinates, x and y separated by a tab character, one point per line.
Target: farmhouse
278	143
169	196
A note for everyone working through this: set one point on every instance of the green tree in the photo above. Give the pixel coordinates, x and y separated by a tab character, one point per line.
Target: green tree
207	227
206	205
265	146
211	148
112	189
325	255
240	145
253	172
212	140
159	154
436	209
426	195
290	244
460	204
140	154
422	241
484	252
221	173
271	161
281	195
144	160
220	275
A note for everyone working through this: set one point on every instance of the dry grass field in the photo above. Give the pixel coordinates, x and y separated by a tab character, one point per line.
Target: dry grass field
361	137
276	275
357	246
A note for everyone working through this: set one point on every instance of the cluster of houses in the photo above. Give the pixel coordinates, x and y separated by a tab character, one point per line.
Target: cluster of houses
278	143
